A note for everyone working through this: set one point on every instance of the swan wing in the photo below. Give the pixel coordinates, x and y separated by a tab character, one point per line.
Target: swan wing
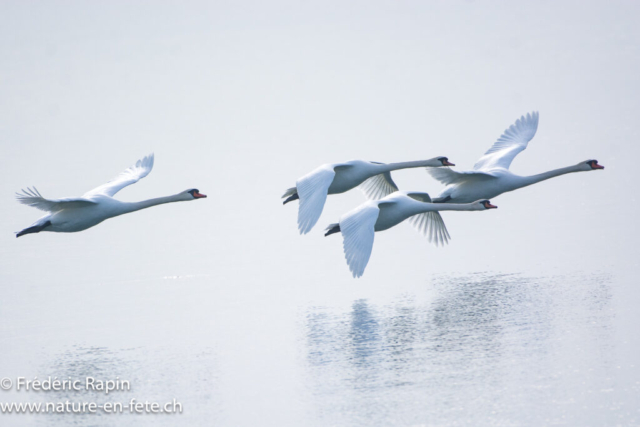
449	176
429	224
312	190
357	227
378	186
513	141
129	176
32	197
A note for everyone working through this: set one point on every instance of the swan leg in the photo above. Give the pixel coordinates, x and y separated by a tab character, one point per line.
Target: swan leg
291	199
34	229
333	228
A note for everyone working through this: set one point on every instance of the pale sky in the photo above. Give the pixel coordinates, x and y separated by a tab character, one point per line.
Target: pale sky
241	99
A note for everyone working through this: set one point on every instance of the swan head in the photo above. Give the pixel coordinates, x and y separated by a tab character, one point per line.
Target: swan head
486	204
591	165
444	161
193	194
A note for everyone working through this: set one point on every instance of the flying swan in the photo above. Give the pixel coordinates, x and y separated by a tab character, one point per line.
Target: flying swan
313	188
76	214
490	176
359	225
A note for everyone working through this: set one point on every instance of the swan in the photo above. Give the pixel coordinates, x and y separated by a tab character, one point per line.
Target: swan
76	214
334	178
359	225
490	176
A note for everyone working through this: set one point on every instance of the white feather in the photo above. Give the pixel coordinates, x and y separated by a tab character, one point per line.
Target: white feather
357	227
312	190
429	224
32	197
512	142
378	186
127	177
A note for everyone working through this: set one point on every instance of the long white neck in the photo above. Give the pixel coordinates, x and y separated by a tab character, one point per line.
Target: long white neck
523	181
388	167
421	207
450	207
136	206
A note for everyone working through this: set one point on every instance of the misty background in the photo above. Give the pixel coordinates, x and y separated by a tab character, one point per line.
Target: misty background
221	304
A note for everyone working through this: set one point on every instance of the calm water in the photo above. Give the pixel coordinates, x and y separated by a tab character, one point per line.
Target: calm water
477	349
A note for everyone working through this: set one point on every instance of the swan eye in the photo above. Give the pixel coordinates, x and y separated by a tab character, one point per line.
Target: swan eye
594	164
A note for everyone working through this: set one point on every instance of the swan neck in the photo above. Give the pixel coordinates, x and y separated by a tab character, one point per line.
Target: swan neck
136	206
533	179
452	207
388	167
422	207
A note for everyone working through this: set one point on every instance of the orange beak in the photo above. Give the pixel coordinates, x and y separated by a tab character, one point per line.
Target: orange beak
199	195
597	166
448	163
488	205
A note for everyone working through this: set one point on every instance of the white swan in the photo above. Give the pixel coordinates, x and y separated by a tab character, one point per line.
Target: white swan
490	176
77	214
313	188
359	225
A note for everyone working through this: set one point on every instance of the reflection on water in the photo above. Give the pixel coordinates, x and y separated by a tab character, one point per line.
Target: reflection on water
96	362
158	375
501	349
466	350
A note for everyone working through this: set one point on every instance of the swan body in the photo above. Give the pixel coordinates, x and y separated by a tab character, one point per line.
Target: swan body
490	176
76	214
374	178
359	225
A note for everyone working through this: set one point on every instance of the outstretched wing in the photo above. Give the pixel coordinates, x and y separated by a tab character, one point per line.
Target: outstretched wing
513	141
357	227
32	197
378	186
449	176
429	224
129	176
312	190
